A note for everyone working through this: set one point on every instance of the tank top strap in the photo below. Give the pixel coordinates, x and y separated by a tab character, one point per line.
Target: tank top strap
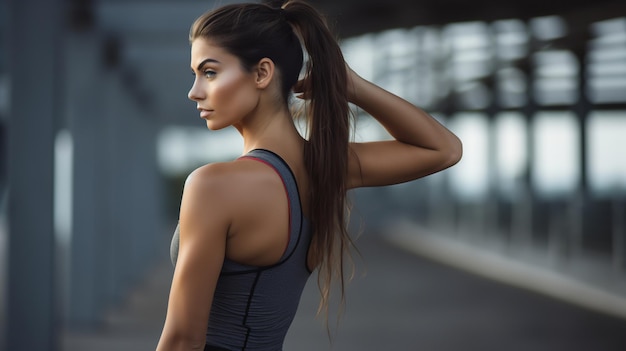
291	187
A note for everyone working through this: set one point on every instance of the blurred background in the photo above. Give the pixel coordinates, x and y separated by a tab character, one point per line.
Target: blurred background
521	246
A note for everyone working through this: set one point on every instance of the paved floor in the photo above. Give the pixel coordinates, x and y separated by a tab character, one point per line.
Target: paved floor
397	302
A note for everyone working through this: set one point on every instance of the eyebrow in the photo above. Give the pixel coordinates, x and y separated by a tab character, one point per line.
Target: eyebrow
205	61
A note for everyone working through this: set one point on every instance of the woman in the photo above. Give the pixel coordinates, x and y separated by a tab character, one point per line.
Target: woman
252	230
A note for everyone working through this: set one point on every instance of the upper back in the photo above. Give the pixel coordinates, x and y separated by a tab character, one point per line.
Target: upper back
253	305
260	302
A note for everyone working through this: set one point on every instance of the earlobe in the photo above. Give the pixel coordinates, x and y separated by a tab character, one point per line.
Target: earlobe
265	73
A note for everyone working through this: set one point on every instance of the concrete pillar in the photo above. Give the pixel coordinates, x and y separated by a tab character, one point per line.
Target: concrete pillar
115	198
35	67
116	187
86	251
133	199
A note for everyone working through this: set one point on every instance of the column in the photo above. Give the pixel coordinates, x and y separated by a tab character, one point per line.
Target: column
34	63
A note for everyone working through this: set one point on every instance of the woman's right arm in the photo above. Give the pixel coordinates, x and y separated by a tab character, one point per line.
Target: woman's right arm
204	223
422	145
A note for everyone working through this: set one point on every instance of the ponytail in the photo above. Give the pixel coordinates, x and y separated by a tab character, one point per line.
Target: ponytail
326	153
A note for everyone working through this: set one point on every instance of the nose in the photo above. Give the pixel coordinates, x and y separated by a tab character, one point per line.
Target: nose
196	93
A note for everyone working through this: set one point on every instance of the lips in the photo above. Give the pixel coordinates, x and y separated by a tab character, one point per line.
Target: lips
205	113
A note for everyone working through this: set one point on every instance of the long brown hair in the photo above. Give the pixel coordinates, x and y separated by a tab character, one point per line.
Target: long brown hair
254	31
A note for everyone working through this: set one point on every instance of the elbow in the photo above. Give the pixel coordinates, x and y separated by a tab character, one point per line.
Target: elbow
458	151
454	153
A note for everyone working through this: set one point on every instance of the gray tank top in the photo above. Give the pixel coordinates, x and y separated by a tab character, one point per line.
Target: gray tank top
253	307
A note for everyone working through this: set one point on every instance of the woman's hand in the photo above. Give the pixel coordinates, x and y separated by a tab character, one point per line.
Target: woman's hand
302	88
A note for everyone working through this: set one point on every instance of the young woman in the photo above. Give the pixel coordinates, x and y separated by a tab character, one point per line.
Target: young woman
252	230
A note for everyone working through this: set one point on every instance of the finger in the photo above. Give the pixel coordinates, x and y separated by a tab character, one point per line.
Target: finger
299	86
302	95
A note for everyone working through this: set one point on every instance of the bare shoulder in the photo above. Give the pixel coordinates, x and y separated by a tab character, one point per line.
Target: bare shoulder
234	173
212	175
205	199
244	200
253	179
232	183
208	182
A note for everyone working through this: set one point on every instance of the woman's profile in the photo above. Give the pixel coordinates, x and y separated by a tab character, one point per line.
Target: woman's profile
252	230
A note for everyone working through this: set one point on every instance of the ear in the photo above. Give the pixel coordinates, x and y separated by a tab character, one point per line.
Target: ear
265	71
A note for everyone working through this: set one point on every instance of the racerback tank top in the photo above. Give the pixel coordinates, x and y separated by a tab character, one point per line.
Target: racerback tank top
253	307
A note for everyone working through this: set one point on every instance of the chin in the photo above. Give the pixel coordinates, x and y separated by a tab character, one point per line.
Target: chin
214	126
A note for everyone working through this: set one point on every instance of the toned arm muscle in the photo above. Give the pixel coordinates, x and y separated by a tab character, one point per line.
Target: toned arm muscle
204	223
422	145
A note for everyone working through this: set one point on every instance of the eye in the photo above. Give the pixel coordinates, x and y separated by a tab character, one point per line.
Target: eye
209	73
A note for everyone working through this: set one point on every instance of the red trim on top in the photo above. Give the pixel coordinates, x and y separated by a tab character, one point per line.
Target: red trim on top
286	193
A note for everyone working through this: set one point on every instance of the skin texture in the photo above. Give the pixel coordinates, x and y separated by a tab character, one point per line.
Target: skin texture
238	209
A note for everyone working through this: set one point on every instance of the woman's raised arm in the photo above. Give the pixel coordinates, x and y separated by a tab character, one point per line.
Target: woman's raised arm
422	145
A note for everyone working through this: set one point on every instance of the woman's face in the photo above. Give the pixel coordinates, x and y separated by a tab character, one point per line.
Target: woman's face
224	92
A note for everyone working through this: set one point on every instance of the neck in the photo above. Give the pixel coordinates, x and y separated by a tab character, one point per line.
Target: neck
271	129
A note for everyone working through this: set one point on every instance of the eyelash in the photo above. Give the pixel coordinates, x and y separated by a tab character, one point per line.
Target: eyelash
209	73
